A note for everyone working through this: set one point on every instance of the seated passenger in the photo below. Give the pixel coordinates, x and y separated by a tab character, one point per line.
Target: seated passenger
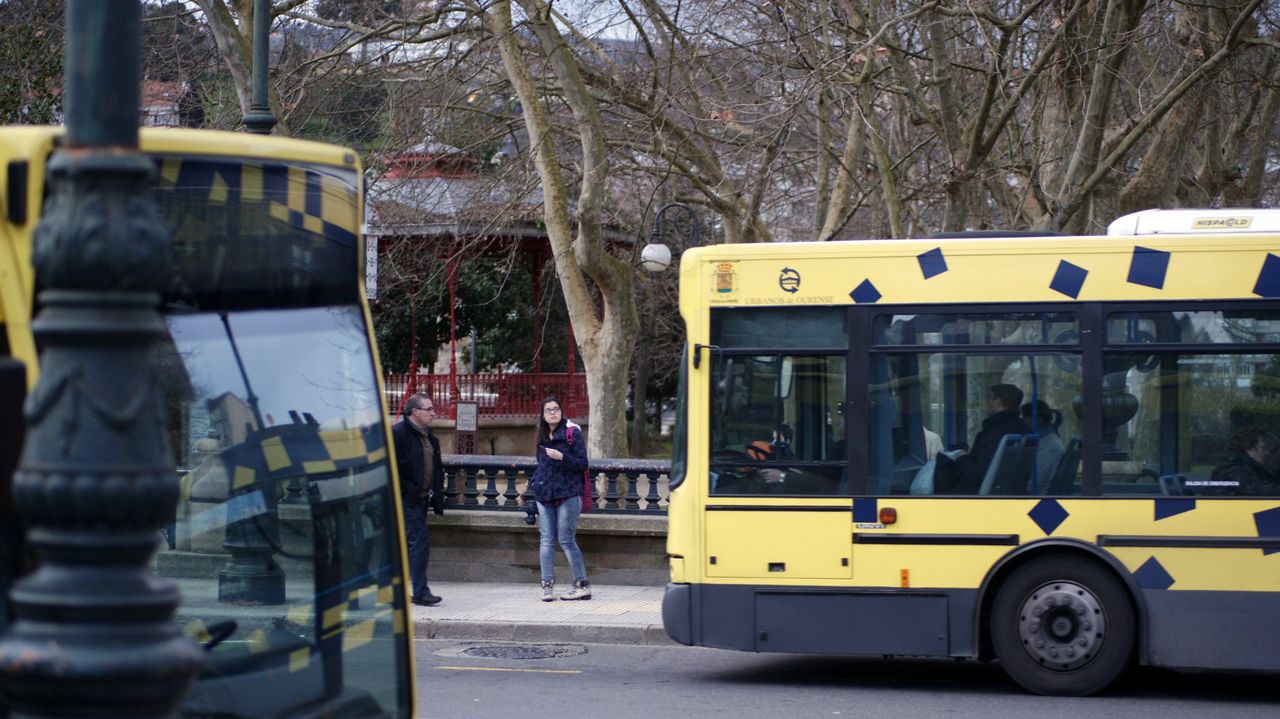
767	478
776	476
1248	470
1050	449
781	445
964	475
760	450
1004	419
932	443
741	478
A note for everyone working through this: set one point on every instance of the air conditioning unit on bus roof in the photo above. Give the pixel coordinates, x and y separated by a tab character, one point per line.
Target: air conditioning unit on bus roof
1195	222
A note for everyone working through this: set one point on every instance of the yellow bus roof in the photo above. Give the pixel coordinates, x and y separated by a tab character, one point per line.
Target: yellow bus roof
1196	221
34	143
168	140
1013	269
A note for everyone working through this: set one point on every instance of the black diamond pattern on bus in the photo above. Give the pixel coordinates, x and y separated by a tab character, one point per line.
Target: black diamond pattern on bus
1153	575
1048	515
1268	524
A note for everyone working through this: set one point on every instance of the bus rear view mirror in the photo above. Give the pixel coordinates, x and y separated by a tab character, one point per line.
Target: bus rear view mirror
16	192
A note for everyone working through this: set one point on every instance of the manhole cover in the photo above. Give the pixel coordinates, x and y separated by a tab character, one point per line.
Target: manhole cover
519	651
509	652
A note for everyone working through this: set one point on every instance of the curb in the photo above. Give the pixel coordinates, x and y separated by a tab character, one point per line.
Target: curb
641	635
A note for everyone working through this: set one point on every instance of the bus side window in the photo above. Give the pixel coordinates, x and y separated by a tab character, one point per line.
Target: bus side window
1199	424
769	427
921	402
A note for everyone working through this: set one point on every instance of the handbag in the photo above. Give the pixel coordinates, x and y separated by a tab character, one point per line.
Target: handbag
922	483
587	502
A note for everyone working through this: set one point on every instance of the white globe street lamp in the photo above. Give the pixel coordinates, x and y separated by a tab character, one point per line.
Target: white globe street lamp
656	256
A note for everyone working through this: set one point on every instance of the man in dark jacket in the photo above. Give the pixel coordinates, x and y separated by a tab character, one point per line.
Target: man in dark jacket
421	486
1247	470
1004	419
969	469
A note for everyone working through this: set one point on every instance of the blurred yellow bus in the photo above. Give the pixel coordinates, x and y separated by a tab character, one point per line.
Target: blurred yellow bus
287	544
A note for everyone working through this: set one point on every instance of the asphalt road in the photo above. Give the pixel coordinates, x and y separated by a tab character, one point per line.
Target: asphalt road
469	679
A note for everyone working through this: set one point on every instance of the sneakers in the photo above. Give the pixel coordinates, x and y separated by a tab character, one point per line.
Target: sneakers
548	591
581	590
428	601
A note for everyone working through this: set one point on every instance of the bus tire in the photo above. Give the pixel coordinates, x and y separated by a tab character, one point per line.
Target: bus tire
1063	627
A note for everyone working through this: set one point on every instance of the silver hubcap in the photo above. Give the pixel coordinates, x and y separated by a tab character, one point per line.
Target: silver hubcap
1061	625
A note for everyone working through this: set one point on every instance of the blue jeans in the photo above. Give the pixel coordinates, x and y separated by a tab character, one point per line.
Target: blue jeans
418	542
560	523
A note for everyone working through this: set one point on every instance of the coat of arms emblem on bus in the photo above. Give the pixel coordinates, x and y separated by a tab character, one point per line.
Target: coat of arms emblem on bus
789	280
725	282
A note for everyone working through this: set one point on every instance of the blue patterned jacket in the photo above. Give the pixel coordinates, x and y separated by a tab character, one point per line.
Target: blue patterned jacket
554	480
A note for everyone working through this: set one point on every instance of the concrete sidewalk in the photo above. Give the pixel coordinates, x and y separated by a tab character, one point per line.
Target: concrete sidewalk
615	614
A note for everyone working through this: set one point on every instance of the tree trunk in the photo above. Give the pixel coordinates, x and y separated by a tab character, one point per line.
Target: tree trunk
884	165
1248	192
643	371
639	402
1070	211
235	44
606	333
822	185
1156	180
1116	39
837	213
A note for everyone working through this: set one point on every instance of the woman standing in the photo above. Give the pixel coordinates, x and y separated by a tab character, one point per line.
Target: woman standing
557	485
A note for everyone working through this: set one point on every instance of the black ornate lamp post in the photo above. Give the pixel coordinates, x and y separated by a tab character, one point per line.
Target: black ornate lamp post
656	256
259	120
94	634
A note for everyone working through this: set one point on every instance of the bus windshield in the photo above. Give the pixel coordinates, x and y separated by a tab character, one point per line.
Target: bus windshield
252	234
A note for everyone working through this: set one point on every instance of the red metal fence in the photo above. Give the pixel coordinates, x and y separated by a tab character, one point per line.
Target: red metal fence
497	394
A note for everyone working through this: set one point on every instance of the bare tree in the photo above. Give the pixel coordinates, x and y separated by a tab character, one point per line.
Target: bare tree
787	119
31	54
605	333
340	58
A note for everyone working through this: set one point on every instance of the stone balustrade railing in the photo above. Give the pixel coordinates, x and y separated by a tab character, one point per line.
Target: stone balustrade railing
496	482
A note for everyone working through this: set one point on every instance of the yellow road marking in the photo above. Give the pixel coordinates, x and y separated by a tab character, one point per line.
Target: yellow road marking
503	669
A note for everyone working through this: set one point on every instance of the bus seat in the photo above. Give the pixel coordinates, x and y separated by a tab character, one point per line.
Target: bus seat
904	473
1175	485
1011	464
1171	484
1064	475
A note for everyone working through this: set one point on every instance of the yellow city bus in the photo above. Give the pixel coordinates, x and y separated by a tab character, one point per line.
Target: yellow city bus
287	544
853	475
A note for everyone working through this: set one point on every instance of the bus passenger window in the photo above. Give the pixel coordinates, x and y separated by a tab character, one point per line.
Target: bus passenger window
950	423
770	430
1198	424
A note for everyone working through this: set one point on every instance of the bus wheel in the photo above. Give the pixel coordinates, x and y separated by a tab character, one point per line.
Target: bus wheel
1063	627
